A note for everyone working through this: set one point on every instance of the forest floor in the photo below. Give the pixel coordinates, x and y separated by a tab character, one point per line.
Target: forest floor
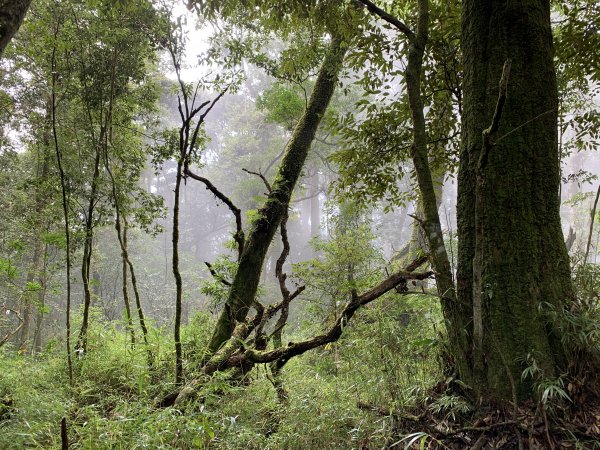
528	427
376	388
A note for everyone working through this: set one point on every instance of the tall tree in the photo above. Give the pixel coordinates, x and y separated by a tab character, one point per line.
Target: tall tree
513	267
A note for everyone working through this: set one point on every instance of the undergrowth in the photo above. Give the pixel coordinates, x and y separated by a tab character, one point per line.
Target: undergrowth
389	352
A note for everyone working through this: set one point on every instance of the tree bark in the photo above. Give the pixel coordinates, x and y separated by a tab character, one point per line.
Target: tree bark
452	309
515	239
245	284
88	248
177	275
12	13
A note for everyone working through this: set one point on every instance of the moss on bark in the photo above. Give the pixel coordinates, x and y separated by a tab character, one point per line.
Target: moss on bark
524	264
245	283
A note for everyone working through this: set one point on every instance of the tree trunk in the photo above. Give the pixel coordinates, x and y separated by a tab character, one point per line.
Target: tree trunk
315	205
452	309
125	280
37	336
32	275
515	238
12	13
136	294
88	248
178	280
245	283
39	246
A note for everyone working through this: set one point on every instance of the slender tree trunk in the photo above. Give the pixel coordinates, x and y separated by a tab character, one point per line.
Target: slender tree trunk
136	294
177	275
515	238
592	217
39	226
125	282
88	247
315	206
431	223
37	337
65	205
245	284
27	310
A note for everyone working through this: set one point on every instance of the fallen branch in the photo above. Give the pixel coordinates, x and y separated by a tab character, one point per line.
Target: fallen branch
233	354
383	412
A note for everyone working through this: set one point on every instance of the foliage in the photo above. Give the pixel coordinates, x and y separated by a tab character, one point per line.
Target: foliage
114	118
376	134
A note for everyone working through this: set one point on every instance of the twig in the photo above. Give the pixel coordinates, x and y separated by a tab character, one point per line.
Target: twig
478	429
261	176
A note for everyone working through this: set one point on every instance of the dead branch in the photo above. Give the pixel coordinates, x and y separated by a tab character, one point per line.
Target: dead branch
232	354
239	234
294	349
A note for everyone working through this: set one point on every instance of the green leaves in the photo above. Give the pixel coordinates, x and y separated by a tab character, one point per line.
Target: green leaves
376	135
282	105
7	268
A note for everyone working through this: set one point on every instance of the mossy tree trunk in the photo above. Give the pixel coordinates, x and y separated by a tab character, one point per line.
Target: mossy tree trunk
12	13
453	311
88	248
245	284
515	236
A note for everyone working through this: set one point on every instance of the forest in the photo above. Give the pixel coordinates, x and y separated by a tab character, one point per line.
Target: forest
299	224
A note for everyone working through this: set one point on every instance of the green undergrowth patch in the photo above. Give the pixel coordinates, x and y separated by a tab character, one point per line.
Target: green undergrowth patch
387	359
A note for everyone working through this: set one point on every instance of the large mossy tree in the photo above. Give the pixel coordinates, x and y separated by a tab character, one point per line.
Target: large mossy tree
513	267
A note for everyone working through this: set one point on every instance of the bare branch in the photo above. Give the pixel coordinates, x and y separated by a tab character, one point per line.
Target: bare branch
239	235
283	354
261	176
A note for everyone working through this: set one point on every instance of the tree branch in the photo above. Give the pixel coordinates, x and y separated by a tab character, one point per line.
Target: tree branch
215	275
261	176
294	349
389	18
239	234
